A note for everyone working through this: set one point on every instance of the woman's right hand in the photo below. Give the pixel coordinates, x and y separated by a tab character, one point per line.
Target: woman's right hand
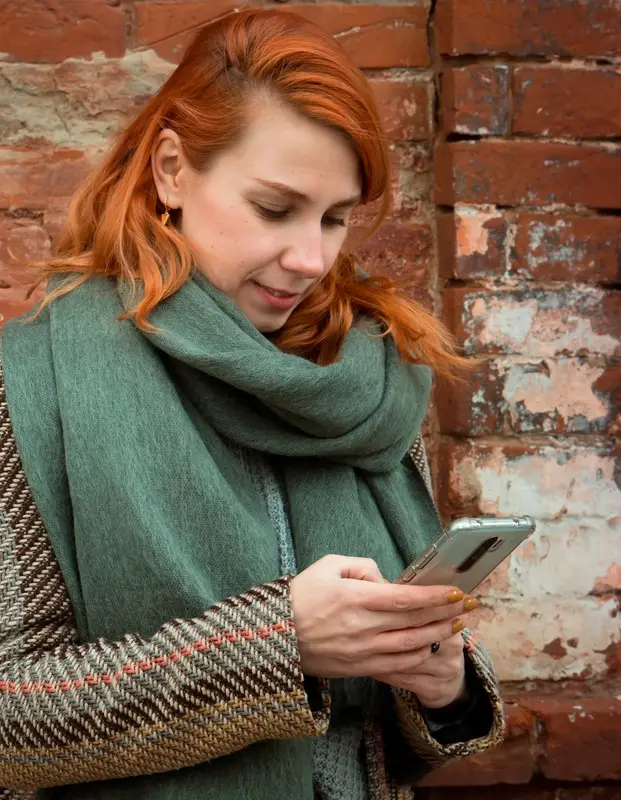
350	622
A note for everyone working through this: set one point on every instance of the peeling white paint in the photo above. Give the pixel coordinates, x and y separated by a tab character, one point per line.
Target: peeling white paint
481	130
541	324
539	615
478	398
555	331
543	250
517	631
506	323
564	558
547	484
567	387
472	235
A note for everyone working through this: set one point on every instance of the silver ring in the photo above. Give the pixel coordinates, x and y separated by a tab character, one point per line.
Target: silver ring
434	648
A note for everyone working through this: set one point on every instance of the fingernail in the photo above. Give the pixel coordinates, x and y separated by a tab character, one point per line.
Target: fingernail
470	603
455	596
458	625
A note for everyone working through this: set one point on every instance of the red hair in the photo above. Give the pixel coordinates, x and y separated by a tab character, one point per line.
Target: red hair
113	225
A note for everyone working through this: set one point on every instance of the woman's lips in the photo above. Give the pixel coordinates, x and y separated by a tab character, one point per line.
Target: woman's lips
275	298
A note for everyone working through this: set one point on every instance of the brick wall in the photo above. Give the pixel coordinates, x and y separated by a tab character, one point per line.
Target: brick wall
505	126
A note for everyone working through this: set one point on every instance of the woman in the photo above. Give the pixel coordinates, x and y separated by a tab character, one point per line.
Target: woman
211	403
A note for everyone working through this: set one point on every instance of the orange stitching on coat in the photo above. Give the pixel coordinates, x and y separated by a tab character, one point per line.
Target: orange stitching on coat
238	637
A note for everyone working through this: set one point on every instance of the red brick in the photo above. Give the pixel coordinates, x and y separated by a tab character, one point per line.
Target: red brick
14	303
567	248
613	659
402	251
558	101
532	792
38	179
54	221
534	173
536	322
474	407
22	240
410	167
475	100
587	727
53	30
374	36
471	243
529	27
405	107
156	24
516	395
512	762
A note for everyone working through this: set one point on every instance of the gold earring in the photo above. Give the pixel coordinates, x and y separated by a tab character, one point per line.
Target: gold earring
165	216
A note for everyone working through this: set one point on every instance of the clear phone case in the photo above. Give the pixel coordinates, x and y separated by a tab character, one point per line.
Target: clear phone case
467	551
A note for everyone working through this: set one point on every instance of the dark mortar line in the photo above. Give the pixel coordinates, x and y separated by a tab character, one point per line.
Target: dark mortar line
435	280
534	59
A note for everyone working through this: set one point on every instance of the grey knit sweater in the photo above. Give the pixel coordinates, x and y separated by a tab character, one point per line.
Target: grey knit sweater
339	772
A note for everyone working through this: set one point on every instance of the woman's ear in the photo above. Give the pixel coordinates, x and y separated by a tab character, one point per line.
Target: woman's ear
169	167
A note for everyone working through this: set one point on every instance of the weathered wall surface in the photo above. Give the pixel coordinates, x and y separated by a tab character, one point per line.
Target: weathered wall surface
505	126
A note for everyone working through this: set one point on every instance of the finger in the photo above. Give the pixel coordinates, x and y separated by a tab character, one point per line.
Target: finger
411	662
418	617
446	662
402	597
400	641
415	677
446	671
397	620
450	648
455	644
443	669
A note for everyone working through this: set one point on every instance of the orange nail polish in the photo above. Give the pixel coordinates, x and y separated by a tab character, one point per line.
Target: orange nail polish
470	603
458	625
455	596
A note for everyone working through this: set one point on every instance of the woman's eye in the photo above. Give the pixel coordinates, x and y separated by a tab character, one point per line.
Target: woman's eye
281	213
333	222
271	213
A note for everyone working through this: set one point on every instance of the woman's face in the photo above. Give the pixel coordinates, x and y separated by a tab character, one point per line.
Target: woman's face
267	220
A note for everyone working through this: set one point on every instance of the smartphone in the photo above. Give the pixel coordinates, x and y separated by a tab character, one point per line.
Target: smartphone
467	551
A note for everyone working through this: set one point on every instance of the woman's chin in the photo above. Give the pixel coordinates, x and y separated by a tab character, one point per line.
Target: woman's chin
267	323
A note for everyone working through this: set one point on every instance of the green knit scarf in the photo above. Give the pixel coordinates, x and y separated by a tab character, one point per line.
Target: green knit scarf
123	437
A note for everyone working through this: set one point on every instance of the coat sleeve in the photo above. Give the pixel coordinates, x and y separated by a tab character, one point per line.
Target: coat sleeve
402	744
198	689
482	729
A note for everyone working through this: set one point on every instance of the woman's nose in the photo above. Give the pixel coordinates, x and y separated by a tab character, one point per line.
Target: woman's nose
305	257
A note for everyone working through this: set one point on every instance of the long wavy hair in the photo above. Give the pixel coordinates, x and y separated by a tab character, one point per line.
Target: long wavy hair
114	227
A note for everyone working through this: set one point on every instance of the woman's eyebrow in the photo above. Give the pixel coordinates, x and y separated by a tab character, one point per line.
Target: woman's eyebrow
294	194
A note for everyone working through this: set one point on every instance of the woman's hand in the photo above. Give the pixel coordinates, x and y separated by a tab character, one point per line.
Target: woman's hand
350	622
437	681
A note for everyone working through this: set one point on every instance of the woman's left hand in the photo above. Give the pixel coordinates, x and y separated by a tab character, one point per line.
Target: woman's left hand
439	680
